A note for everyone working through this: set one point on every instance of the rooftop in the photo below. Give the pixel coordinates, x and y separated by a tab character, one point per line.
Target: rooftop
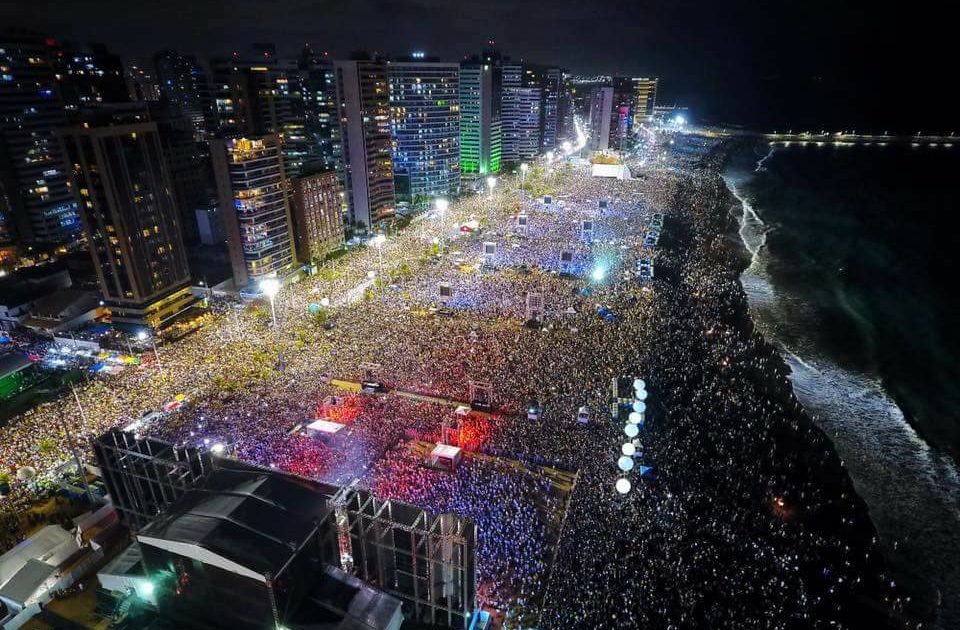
250	522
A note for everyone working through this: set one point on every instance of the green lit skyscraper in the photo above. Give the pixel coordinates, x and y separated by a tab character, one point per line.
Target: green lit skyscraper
480	139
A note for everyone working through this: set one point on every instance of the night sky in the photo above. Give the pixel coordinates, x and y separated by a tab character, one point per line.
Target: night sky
762	64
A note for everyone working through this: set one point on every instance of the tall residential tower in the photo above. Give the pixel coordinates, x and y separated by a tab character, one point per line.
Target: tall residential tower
122	183
363	93
480	123
425	125
251	186
42	209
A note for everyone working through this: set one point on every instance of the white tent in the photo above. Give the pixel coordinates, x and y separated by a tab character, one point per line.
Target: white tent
325	430
51	545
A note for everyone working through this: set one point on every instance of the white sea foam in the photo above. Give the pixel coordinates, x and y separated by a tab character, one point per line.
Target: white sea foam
760	167
753	231
911	490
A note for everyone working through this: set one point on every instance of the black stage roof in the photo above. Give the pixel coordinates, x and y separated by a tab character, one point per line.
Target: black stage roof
255	519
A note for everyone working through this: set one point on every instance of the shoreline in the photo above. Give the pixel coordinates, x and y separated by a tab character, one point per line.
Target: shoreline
833	474
901	468
930	436
918	607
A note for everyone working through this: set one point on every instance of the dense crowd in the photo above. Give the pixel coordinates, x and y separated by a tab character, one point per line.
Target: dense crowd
749	520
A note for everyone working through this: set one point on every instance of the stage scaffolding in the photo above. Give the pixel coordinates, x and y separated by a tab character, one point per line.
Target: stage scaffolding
144	476
427	560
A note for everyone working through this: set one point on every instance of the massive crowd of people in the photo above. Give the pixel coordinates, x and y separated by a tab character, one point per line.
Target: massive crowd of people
748	519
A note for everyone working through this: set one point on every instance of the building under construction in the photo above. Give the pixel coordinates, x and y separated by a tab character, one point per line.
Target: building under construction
201	518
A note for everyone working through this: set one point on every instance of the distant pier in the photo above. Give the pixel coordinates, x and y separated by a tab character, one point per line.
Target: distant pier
850	139
839	138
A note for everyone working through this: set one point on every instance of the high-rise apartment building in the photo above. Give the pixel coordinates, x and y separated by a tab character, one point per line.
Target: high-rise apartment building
480	122
251	187
621	124
141	80
42	210
601	119
551	89
520	113
188	161
234	92
122	183
183	86
317	215
8	241
425	126
88	77
264	95
644	100
566	110
319	81
363	94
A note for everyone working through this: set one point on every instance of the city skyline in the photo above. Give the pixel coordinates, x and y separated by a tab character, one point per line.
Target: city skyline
482	316
799	64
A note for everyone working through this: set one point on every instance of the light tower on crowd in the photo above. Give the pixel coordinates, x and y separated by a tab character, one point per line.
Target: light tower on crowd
379	240
143	336
270	288
442	205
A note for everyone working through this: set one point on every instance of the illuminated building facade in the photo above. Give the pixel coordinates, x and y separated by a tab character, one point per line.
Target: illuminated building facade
8	243
42	210
322	124
317	215
480	115
264	95
601	110
89	77
251	187
520	113
567	110
122	183
644	100
551	110
363	94
425	125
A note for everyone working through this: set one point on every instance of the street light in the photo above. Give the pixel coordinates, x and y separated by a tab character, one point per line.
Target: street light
142	336
442	205
491	182
378	240
523	171
270	287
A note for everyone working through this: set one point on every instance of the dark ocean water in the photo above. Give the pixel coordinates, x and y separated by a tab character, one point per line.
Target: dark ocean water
853	276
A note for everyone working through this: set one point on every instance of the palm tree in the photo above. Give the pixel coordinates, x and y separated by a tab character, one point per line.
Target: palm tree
46	446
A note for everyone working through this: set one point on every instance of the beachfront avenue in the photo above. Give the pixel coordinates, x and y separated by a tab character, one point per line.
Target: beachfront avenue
745	519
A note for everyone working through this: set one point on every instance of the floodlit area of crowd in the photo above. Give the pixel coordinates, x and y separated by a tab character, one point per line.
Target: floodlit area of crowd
742	516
